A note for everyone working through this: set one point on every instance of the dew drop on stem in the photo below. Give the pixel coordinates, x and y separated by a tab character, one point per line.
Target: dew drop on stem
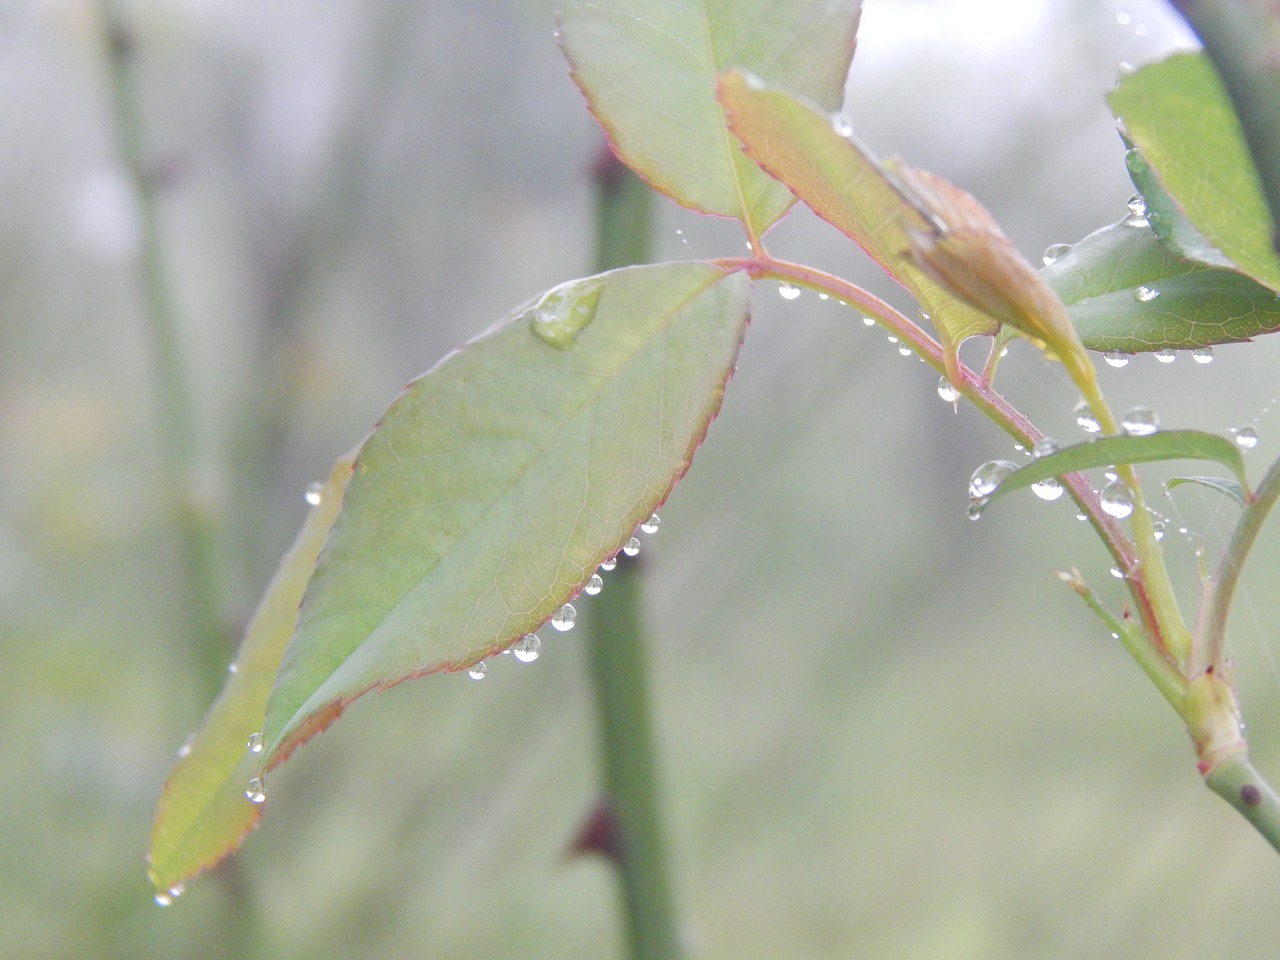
947	391
1116	500
1085	418
841	124
314	493
788	292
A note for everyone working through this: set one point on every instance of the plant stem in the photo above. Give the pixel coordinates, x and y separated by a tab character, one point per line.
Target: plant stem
186	502
617	656
1210	641
1242	38
616	649
1238	783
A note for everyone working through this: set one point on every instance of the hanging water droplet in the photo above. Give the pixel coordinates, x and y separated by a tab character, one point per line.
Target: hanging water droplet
1202	355
987	477
1145	294
185	749
1166	355
1116	500
594	585
1111	474
609	564
1082	516
1135	162
1055	252
1117	573
1048	489
1137	212
631	547
1044	446
166	897
257	791
478	670
841	124
564	618
1124	67
975	511
1085	418
255	743
652	524
233	667
868	321
1157	530
891	338
564	312
1124	18
947	391
1140	422
1246	438
1116	358
314	493
527	648
824	296
788	292
905	350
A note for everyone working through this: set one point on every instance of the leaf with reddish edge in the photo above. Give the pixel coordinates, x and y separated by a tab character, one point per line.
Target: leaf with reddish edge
648	70
849	188
203	814
499	480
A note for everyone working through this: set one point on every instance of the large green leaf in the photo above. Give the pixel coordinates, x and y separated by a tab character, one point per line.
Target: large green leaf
846	186
1127	291
203	813
1179	116
648	69
1162	445
499	480
1166	219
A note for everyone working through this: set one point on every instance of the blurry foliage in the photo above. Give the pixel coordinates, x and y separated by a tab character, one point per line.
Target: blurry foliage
352	189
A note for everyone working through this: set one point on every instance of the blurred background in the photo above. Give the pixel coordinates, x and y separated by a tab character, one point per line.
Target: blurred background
886	731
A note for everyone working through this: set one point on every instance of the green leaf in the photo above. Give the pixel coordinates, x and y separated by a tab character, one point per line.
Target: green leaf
203	814
846	186
1162	445
648	69
1179	116
499	480
1167	220
1102	280
1223	485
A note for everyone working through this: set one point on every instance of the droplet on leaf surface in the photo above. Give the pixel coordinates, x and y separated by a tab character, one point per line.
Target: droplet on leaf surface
257	790
1055	252
1047	489
255	743
564	312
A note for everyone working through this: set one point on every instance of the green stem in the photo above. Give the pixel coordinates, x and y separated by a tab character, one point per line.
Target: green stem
1238	783
617	656
1210	642
616	649
1242	38
186	501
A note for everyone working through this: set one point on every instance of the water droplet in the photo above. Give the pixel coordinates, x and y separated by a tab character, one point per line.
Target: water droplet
1116	358
478	670
233	667
891	338
905	350
1202	355
257	791
868	321
1140	422
185	749
1116	500
527	648
1082	516
1055	252
631	547
1124	18
1137	212
788	292
594	585
1145	294
165	897
564	312
1124	67
1085	418
1049	489
1157	529
1117	573
652	524
564	618
1135	162
1166	355
255	743
824	296
987	477
841	124
1110	474
609	564
1246	438
314	493
947	391
1044	446
975	511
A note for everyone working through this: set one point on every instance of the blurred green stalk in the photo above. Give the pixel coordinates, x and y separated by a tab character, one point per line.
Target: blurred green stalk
178	447
617	653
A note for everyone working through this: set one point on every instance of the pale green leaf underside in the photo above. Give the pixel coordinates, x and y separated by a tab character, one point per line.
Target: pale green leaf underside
648	69
846	186
1101	279
1223	485
1163	445
500	479
203	813
1179	116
